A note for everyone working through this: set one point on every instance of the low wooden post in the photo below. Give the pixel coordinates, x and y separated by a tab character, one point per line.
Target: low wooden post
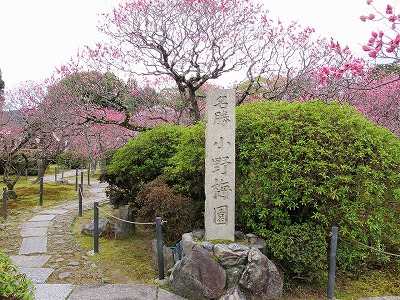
5	196
41	192
332	263
76	179
160	246
82	181
55	174
80	199
96	227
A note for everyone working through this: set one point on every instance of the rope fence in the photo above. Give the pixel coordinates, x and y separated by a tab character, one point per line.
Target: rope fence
158	222
126	221
371	248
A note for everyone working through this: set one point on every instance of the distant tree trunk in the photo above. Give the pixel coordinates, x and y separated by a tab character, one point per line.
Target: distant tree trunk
7	178
42	166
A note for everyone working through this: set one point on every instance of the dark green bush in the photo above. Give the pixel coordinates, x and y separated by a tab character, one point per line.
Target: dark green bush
159	200
185	169
29	163
140	161
300	250
13	286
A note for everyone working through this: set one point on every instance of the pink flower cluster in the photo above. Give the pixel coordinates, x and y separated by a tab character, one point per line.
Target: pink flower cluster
387	43
349	69
343	66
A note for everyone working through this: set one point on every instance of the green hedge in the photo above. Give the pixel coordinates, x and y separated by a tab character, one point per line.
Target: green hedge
323	163
140	161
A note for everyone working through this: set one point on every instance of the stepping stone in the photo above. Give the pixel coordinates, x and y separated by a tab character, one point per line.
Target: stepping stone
36	224
35	244
40	218
37	275
33	261
52	291
36	231
54	212
64	275
114	292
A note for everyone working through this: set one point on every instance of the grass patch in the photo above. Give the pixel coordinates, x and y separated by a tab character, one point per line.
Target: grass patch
28	195
373	283
123	261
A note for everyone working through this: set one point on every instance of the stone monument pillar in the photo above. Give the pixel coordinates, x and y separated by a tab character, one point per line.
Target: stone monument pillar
220	165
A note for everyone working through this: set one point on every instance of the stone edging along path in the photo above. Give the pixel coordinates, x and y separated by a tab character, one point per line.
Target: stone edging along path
57	265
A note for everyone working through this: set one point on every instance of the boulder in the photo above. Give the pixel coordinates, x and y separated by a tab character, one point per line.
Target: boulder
198	234
233	294
187	243
207	245
197	276
240	235
260	279
123	229
261	245
89	228
178	251
231	255
233	275
251	238
167	255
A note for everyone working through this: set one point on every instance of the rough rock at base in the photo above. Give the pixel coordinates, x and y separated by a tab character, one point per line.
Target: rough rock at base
233	294
167	256
261	280
124	229
88	229
197	276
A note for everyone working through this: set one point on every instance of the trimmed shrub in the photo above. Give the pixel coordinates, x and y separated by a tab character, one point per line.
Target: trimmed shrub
300	250
29	163
159	200
13	286
185	169
140	161
320	163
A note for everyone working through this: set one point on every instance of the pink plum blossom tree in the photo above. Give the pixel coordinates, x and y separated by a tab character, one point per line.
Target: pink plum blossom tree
190	42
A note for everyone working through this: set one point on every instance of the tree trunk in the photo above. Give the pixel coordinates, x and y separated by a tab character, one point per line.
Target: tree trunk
42	166
8	181
194	106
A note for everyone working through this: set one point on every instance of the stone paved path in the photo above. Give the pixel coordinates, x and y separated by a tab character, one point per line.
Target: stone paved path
47	240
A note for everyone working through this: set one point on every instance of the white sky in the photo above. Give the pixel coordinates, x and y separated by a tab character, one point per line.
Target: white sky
38	35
